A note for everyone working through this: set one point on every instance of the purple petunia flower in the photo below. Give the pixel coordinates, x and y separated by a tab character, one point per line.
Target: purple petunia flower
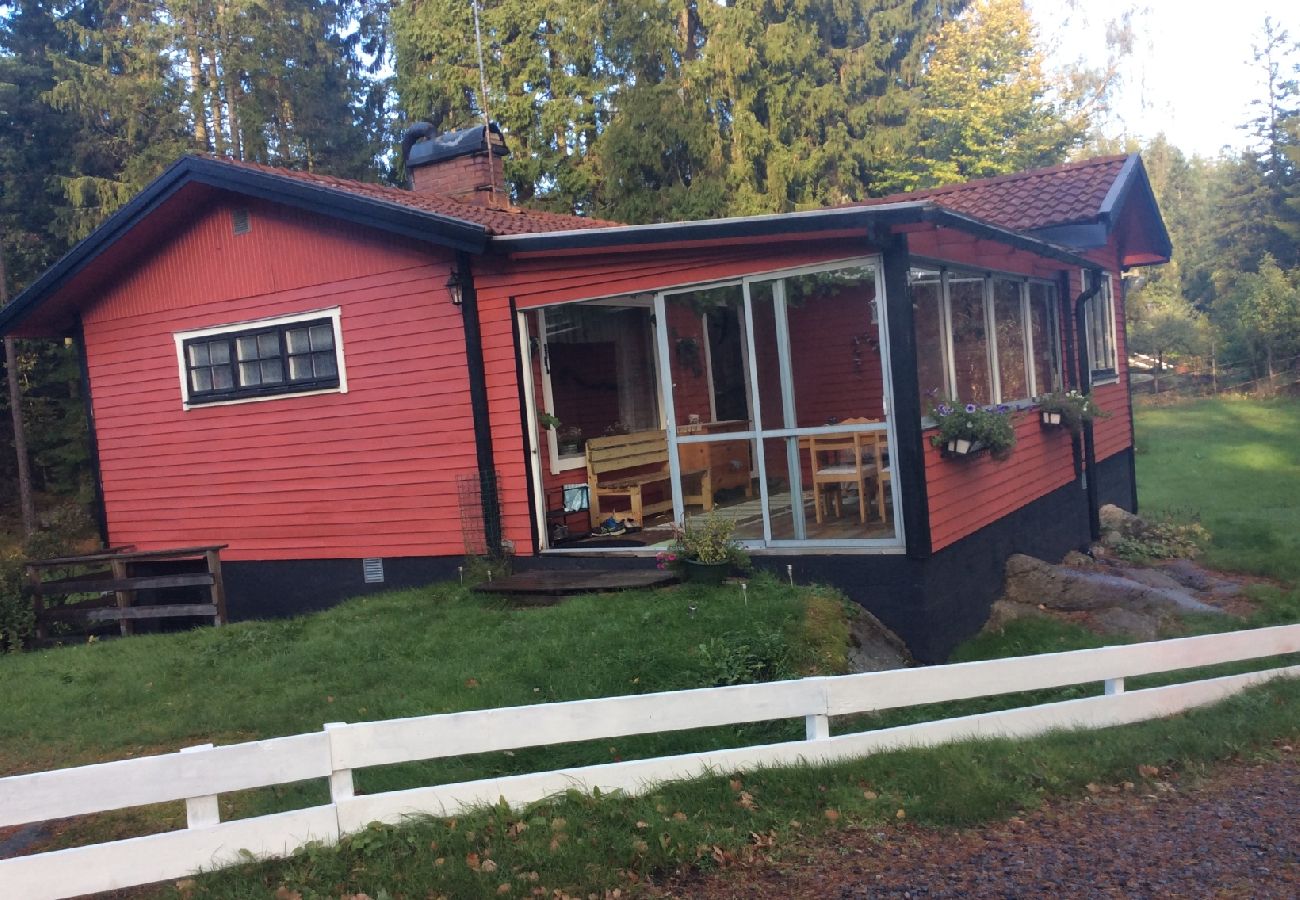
943	409
971	407
1002	407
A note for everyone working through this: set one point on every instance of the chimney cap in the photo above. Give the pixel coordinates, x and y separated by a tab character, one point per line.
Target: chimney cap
425	150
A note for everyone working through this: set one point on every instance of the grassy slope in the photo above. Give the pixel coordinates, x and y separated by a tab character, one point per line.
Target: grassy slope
439	649
1235	464
249	681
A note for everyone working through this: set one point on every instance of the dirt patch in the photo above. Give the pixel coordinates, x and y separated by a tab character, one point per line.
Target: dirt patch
874	647
1230	835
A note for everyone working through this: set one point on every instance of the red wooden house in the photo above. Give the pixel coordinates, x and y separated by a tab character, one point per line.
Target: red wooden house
321	372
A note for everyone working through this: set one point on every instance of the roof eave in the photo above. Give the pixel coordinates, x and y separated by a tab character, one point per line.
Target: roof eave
390	217
864	217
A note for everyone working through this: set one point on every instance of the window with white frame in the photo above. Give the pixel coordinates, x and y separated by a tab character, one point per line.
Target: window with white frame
1099	329
597	374
984	338
267	358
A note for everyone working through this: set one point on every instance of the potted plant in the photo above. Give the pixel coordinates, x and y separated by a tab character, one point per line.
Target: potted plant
1068	409
570	439
704	551
967	429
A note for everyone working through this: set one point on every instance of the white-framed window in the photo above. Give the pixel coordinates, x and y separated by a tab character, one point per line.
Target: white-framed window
1099	329
262	359
983	337
597	374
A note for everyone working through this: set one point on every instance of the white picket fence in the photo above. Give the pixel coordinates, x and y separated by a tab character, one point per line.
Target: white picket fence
198	774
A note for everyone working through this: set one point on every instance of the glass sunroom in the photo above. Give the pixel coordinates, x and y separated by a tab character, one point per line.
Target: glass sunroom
764	399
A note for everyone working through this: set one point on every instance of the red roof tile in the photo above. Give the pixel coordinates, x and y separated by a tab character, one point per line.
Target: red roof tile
1040	198
497	221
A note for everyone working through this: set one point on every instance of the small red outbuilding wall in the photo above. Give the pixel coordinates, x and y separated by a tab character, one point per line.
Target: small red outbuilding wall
370	472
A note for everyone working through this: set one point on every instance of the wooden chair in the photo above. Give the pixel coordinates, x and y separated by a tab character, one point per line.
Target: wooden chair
836	462
882	471
848	459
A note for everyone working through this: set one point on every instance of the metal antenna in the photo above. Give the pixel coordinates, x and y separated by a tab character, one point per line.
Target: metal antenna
483	101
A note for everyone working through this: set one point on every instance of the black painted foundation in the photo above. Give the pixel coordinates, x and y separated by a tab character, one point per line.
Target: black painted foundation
278	588
933	604
1115	481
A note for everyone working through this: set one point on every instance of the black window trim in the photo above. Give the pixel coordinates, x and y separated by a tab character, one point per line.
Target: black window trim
279	328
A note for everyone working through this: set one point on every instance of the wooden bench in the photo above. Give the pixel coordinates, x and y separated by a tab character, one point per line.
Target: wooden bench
622	465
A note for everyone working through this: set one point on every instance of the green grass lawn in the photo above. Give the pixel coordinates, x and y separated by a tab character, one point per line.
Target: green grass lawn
1235	464
445	649
439	649
432	650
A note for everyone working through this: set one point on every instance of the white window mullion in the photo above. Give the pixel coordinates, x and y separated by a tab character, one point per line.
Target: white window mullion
950	363
1026	316
670	414
991	339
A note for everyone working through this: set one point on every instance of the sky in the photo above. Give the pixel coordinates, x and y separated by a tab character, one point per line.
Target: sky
1191	73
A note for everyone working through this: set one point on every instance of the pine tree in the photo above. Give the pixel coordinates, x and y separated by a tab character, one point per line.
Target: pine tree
988	105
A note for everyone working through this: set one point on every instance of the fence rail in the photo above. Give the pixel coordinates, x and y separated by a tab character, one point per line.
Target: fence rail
198	774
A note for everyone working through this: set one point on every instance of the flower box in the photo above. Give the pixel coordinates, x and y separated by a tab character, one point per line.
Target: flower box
961	448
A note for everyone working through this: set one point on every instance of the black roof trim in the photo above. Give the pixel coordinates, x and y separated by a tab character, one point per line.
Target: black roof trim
321	199
1133	176
854	217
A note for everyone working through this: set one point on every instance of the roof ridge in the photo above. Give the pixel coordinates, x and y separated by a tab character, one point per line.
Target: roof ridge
441	205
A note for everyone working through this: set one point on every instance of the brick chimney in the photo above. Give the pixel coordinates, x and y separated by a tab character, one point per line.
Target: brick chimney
465	165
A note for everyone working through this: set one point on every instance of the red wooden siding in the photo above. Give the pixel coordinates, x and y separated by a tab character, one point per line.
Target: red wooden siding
964	496
367	473
536	282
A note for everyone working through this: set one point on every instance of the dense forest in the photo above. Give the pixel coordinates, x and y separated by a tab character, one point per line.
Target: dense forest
639	111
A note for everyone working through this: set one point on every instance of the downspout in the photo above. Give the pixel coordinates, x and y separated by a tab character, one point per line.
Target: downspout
478	402
1085	388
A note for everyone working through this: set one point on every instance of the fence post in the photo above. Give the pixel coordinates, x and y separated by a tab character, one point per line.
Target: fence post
817	727
201	811
1114	686
341	787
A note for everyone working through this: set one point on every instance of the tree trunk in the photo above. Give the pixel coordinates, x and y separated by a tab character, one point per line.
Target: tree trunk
214	100
16	409
198	109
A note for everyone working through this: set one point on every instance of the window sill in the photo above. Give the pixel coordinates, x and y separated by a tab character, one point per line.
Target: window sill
568	464
234	401
1103	379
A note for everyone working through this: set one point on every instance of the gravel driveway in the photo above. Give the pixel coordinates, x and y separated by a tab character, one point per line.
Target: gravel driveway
1235	834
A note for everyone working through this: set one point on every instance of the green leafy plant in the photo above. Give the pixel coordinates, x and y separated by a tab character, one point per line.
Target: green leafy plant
968	428
1071	407
711	540
1165	539
17	619
746	657
548	420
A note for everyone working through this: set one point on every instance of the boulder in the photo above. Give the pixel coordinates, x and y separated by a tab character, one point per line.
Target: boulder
1032	582
1076	560
1119	522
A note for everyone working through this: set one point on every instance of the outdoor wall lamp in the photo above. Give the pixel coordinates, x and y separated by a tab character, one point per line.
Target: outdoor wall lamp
455	287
